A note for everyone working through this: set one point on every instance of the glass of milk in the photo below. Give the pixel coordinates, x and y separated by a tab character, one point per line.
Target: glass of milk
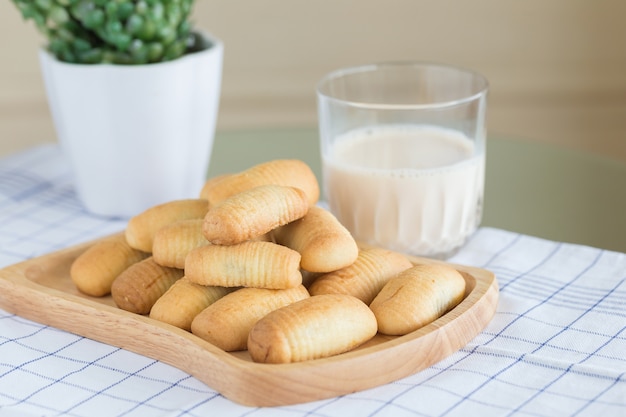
403	154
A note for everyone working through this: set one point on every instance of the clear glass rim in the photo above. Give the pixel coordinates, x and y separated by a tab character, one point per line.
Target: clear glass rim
322	85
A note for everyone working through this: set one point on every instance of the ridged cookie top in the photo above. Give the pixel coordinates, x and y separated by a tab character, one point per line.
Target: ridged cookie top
249	264
324	243
416	297
313	328
252	213
287	172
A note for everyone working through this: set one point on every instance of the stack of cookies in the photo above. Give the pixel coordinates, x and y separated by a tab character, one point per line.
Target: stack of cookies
254	263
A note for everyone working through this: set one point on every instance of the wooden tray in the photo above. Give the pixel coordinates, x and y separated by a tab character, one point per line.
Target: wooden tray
41	290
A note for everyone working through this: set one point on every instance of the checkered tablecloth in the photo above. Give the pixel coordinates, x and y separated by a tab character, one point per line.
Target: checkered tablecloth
556	346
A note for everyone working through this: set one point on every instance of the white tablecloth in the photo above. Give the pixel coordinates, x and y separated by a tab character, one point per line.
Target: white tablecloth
556	346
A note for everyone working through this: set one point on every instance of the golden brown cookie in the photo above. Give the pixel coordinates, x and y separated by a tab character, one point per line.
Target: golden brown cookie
173	242
253	213
227	322
287	172
141	228
183	301
417	297
249	264
316	327
142	284
365	277
323	242
94	270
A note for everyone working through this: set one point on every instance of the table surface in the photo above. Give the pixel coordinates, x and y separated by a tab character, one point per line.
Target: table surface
555	346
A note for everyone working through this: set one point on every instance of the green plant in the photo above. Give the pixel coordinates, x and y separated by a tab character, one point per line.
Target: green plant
113	31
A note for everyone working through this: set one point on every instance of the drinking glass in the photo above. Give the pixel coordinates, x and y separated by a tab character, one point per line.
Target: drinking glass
403	154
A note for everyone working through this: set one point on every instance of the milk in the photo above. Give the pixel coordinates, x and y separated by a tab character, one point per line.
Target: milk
415	189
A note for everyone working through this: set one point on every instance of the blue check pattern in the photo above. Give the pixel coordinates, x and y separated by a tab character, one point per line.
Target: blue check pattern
556	346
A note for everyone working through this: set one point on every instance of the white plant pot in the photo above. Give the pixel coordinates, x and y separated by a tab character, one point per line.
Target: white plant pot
136	135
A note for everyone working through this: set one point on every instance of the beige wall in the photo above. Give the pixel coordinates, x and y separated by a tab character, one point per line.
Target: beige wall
557	68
